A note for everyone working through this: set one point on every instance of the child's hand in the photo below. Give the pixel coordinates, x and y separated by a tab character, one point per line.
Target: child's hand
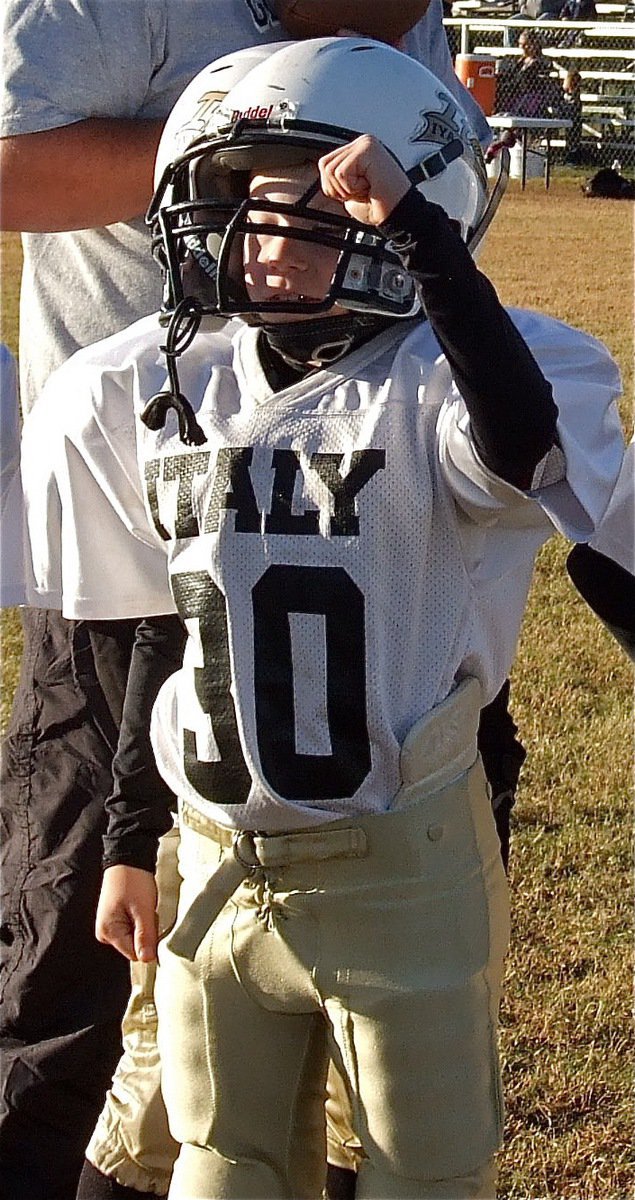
365	178
126	913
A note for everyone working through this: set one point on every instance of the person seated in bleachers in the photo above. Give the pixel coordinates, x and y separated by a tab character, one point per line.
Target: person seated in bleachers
578	10
532	10
526	87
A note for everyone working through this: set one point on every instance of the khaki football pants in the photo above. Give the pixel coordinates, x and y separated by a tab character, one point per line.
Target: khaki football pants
132	1142
378	944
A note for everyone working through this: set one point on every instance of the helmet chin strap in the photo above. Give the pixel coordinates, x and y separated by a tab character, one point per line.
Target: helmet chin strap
324	340
183	327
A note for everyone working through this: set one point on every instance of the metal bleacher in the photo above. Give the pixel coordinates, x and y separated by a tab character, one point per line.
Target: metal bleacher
602	51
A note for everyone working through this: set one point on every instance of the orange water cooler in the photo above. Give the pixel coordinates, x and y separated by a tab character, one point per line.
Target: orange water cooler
478	74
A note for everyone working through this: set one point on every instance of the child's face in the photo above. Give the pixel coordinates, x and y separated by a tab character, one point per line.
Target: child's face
278	267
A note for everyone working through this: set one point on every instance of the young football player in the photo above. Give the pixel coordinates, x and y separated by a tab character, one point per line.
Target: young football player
349	485
130	1150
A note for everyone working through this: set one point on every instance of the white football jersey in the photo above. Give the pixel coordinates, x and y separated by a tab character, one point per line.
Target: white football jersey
339	553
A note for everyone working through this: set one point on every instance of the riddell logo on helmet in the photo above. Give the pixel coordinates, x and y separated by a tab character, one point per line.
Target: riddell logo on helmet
259	112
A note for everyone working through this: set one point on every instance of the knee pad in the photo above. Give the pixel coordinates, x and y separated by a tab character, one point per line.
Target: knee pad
201	1173
374	1181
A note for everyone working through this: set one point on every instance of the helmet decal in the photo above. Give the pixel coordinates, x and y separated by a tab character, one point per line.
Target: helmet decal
196	125
258	112
439	126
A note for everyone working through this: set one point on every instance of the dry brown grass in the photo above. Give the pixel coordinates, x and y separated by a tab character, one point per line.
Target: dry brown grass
571	257
10	640
10	267
567	1034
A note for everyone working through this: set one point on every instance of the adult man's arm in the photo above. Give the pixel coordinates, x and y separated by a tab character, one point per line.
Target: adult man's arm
80	176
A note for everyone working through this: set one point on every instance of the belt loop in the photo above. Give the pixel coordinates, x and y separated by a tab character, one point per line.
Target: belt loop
244	849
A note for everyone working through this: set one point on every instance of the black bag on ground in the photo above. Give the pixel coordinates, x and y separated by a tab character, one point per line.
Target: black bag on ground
608	184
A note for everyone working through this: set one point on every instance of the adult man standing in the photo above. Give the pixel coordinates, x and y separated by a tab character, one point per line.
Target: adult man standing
87	86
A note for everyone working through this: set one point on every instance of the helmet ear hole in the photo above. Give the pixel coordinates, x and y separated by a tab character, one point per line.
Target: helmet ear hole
210	178
158	253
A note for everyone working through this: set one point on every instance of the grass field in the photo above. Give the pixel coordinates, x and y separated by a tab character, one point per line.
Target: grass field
567	1033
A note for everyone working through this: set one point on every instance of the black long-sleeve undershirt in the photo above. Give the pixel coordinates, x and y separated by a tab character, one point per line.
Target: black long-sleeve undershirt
140	805
609	590
510	403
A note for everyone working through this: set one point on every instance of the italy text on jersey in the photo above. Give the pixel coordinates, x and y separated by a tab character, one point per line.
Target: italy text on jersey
233	489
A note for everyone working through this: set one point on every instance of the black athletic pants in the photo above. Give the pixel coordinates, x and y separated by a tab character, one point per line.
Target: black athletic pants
62	994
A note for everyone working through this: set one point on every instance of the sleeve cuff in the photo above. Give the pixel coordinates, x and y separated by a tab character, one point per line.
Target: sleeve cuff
136	850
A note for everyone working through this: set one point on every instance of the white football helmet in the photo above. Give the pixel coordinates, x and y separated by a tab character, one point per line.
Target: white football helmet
301	100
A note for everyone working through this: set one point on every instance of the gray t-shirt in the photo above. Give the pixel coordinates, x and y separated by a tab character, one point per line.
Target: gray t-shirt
68	60
65	61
